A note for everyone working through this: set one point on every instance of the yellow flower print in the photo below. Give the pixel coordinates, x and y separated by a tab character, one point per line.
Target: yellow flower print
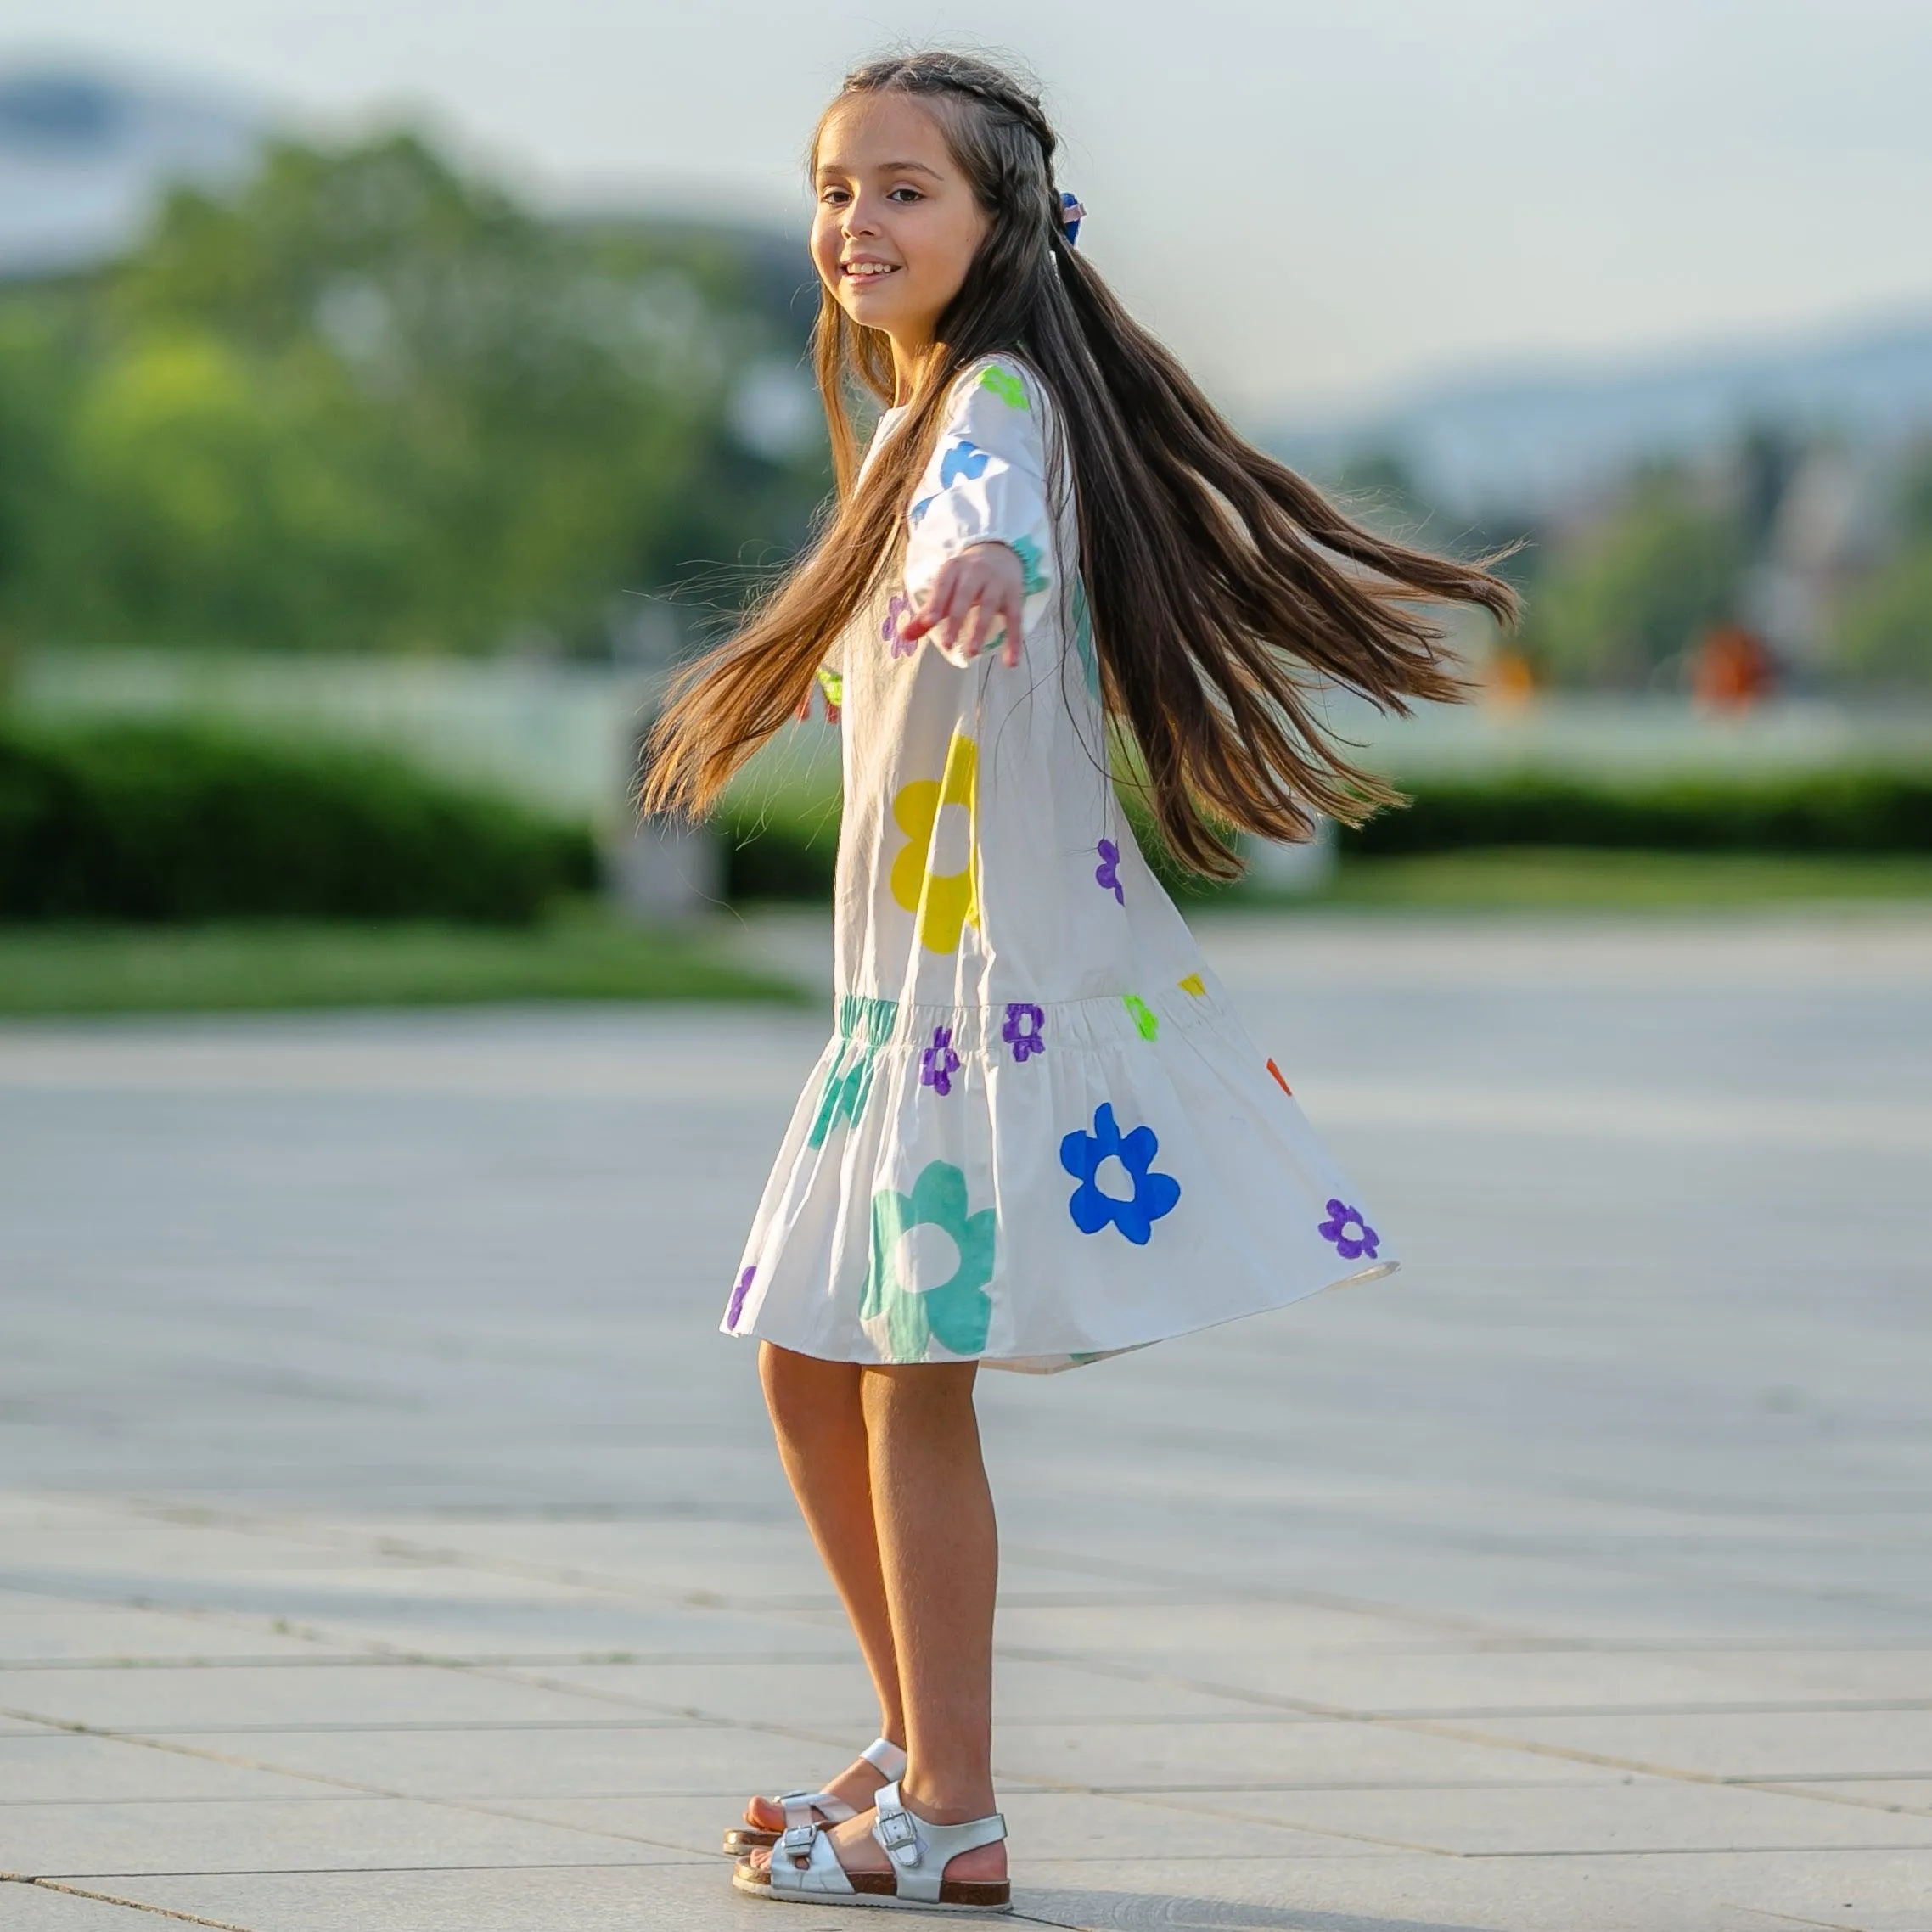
942	902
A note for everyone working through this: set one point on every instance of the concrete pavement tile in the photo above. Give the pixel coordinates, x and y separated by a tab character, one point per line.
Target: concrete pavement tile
1870	1891
595	1759
1906	1794
69	1633
694	1897
177	1701
274	1834
1394	1894
841	1693
1389	1680
35	1908
57	1767
1235	1755
1781	1745
1645	1815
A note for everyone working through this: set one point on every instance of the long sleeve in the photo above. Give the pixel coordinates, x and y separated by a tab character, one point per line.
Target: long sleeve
986	483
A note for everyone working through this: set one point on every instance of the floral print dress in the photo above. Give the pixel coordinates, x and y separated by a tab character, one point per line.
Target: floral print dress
1039	1134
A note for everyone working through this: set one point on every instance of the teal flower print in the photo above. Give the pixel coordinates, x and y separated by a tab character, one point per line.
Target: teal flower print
1033	577
957	1311
864	1026
1083	638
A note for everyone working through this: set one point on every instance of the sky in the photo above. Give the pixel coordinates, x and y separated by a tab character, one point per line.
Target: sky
1318	205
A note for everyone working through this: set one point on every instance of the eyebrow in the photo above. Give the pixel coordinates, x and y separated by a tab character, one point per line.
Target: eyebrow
887	167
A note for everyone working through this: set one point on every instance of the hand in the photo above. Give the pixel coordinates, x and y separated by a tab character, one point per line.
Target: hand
974	594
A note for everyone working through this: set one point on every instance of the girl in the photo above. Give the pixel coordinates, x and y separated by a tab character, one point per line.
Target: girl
1039	1136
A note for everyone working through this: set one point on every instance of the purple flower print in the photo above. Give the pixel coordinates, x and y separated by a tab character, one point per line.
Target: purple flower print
939	1063
1022	1030
738	1294
896	613
1107	874
1352	1236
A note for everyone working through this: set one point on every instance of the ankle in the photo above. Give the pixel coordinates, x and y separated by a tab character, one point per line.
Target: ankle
948	1803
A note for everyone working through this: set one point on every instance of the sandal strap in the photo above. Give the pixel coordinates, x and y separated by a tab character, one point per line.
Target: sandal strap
886	1758
820	1873
919	1850
806	1811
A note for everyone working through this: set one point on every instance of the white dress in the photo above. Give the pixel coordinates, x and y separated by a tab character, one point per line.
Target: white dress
1039	1135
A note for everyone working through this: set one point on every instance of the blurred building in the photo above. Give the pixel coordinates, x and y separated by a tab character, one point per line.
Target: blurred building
85	154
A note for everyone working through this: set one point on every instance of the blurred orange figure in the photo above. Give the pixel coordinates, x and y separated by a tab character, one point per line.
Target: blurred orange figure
1509	680
1730	670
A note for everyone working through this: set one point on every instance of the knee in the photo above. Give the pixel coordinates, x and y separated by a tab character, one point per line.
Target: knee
923	1396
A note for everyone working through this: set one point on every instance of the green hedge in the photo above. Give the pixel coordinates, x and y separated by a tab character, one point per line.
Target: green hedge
1843	811
168	822
778	854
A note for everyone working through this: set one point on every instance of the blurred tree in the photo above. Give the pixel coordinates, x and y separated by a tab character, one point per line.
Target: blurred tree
1628	594
367	403
1883	632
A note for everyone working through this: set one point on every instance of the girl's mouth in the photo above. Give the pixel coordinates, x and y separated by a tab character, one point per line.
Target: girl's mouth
867	271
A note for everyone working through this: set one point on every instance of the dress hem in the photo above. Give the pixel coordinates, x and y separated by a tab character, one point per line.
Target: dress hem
1037	1362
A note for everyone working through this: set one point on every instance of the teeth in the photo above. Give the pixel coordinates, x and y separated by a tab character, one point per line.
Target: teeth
869	268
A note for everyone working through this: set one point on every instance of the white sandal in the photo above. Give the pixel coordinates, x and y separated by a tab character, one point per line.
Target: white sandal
885	1756
805	1865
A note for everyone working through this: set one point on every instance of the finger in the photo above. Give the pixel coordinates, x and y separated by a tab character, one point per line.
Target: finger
938	603
969	631
1010	655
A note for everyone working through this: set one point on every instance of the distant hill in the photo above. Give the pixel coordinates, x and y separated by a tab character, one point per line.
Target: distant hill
84	153
1529	441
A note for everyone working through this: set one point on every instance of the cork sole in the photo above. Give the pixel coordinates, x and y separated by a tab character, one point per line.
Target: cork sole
879	1889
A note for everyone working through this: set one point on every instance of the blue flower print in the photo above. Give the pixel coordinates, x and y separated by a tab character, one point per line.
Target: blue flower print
957	1311
1352	1236
939	1063
1107	874
925	503
1022	1030
963	459
740	1289
1154	1195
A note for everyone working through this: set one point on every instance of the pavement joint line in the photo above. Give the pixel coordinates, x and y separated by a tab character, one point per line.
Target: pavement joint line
347	1785
1344	1714
129	1904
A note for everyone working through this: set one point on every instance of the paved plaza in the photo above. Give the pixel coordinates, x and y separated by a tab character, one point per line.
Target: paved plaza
389	1543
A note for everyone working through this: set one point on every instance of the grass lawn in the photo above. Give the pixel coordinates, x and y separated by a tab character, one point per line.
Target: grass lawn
582	953
1539	879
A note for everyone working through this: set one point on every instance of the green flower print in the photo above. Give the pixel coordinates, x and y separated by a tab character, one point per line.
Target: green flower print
1083	637
847	1084
1007	386
1028	552
957	1311
1147	1022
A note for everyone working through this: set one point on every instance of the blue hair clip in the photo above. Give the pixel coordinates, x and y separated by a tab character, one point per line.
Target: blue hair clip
1071	216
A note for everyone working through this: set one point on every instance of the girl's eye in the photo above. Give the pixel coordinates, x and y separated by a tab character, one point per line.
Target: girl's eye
910	193
831	194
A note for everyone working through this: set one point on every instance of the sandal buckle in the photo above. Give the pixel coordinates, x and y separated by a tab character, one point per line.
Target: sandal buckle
796	1843
897	1830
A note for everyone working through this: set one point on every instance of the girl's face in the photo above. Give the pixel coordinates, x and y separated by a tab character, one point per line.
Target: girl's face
897	225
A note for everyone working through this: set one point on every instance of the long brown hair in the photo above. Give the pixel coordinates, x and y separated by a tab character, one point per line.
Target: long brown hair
1225	591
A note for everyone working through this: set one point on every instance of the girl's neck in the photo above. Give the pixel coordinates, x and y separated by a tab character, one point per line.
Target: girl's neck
910	359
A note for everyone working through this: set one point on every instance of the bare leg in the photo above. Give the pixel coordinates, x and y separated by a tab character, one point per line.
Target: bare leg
939	1551
818	1417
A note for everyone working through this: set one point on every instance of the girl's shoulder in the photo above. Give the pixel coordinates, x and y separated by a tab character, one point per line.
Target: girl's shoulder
1001	381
